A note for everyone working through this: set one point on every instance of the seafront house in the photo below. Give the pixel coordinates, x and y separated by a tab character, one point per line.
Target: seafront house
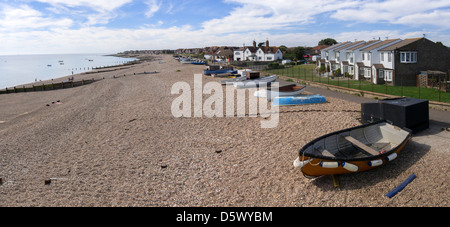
403	61
254	53
315	52
340	54
371	60
328	58
352	57
391	61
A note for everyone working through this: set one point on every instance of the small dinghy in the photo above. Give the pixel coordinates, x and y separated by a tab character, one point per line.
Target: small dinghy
231	81
270	94
298	100
255	82
352	150
198	63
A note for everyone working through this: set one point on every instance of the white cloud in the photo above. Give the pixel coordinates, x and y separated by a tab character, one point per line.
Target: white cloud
283	22
274	14
24	17
405	12
154	7
94	11
98	5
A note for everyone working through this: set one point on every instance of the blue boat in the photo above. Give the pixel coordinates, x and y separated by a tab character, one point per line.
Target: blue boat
298	100
220	71
198	63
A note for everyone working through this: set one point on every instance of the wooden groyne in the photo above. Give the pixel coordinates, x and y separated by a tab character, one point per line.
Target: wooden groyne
65	84
47	87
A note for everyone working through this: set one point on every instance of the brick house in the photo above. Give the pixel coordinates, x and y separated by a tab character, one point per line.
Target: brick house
411	56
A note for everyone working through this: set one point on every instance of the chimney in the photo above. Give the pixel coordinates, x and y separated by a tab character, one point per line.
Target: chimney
267	43
254	43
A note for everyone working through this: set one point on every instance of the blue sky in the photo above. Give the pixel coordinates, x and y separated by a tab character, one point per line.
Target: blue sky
111	26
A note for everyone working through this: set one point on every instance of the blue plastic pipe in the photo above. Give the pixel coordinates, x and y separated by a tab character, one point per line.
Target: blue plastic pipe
401	186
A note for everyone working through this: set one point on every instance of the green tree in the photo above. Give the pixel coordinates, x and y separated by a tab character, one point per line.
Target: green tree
299	53
283	48
327	41
440	43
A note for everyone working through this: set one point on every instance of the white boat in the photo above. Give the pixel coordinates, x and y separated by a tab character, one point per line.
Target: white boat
256	82
186	61
231	81
282	91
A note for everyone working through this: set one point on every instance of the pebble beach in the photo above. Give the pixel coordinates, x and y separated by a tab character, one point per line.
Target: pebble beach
116	143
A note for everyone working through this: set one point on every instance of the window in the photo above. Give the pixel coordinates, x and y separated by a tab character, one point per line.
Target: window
269	58
368	56
382	56
367	73
388	75
362	54
408	57
381	74
389	57
238	53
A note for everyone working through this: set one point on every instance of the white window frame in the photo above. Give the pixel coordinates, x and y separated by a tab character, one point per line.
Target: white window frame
381	74
408	57
367	72
388	75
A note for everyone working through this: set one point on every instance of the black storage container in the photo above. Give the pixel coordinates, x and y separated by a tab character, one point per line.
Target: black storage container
371	112
403	112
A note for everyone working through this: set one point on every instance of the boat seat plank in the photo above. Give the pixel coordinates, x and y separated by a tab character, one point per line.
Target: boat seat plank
327	153
323	152
361	145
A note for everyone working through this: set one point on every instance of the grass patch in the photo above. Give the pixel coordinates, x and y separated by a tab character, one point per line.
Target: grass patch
307	72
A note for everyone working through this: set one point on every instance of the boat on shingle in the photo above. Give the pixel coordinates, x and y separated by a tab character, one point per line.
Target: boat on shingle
255	82
271	92
298	100
352	150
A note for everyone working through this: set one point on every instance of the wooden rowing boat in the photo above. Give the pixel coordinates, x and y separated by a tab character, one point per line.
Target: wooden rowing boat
352	150
270	93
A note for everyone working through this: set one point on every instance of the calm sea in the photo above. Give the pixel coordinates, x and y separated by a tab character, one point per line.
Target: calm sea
22	69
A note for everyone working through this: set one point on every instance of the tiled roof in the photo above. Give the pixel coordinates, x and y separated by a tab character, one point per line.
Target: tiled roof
400	44
335	46
362	45
380	44
348	45
321	47
269	49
